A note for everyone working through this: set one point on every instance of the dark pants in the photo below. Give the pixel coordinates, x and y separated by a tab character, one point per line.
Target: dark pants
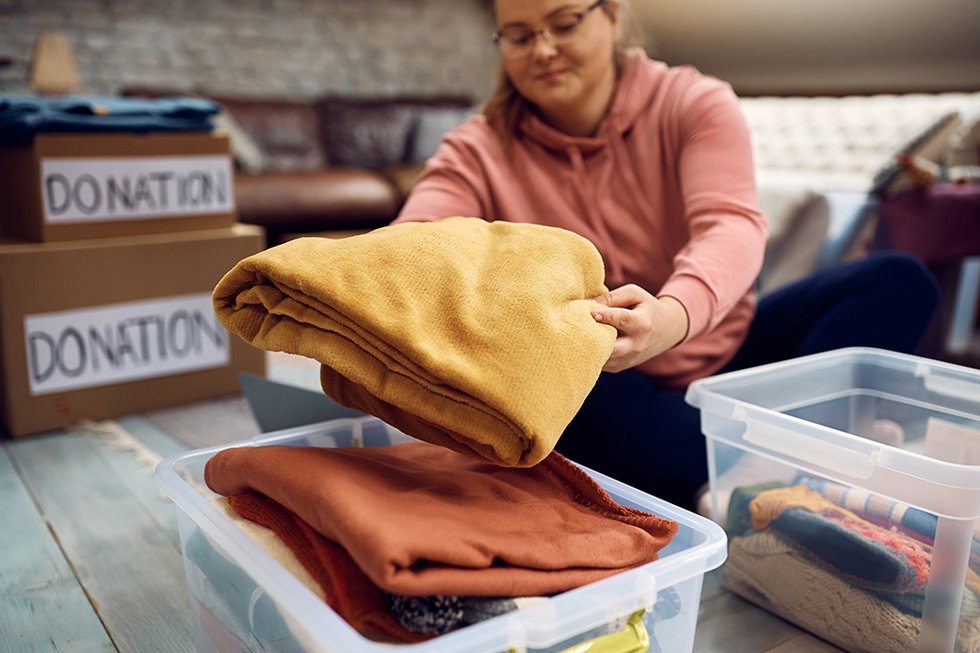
649	437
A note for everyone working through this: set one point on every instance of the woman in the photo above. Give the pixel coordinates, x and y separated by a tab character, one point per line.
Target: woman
653	165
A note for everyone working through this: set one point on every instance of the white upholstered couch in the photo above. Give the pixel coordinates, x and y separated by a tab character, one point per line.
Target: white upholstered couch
821	163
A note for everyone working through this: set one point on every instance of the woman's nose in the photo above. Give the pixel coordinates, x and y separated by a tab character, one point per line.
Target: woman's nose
544	46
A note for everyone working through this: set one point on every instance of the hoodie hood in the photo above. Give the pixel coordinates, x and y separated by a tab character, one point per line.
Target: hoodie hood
637	86
639	81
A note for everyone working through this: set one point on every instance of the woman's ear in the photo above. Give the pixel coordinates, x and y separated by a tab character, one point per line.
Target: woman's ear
612	10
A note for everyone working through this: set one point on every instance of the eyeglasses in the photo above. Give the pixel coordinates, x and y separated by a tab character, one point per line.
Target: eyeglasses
559	29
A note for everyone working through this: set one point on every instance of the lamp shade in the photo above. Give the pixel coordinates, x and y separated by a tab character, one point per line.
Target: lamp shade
53	67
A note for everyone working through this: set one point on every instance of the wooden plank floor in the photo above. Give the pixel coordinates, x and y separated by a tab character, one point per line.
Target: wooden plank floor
90	558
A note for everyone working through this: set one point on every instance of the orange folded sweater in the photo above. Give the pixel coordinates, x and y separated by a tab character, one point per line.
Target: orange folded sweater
422	520
345	587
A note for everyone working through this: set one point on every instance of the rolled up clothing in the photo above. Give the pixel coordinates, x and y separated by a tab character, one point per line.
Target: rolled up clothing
773	573
881	560
423	520
474	335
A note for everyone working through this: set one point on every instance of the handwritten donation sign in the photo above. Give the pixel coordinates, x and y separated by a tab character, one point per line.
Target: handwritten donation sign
89	347
126	188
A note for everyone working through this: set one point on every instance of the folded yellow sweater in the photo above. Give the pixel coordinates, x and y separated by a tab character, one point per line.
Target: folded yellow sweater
470	334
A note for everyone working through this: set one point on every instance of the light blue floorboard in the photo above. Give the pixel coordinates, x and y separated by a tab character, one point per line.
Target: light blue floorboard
42	604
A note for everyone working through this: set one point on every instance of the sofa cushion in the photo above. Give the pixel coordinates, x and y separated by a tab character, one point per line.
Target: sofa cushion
330	198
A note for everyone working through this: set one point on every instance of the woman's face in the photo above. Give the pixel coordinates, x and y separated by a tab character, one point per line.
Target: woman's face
558	72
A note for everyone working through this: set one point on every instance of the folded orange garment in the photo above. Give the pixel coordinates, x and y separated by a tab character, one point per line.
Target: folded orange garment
422	520
345	587
474	335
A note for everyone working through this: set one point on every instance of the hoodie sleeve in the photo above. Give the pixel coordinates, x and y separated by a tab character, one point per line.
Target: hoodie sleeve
722	259
453	182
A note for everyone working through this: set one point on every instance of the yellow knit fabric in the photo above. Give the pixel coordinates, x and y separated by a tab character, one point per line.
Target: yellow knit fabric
769	505
470	334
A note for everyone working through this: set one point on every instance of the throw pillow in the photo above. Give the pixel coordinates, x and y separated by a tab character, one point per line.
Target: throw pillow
246	153
926	138
799	219
369	135
432	124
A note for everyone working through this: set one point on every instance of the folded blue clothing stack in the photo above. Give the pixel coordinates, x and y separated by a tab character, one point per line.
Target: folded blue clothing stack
23	116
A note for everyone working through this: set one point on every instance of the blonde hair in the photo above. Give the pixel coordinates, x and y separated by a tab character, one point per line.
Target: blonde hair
506	106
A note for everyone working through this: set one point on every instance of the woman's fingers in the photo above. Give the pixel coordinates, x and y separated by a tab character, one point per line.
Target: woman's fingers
619	359
623	297
645	325
620	308
621	318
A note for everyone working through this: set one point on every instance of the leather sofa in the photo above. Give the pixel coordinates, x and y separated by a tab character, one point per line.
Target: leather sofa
333	165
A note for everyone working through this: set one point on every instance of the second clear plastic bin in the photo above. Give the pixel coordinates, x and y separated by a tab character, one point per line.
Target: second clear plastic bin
849	485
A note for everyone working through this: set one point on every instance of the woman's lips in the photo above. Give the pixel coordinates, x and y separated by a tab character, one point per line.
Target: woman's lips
552	75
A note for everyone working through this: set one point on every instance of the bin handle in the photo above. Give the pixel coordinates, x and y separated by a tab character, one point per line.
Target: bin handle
798	446
634	638
958	388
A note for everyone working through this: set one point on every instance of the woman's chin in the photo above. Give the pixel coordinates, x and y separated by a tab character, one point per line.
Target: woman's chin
559	102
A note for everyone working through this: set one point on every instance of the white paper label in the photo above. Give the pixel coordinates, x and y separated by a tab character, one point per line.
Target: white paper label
89	347
125	188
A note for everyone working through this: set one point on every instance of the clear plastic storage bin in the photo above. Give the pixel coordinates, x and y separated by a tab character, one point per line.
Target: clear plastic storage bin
849	485
243	600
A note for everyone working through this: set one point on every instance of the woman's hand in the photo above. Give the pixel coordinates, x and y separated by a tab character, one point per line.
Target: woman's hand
646	325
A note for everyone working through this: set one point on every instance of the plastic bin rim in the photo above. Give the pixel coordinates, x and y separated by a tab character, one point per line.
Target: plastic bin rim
960	475
697	388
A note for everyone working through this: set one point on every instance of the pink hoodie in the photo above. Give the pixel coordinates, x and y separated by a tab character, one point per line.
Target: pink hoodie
665	190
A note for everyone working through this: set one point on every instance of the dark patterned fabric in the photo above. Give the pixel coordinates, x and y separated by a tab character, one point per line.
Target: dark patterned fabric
435	615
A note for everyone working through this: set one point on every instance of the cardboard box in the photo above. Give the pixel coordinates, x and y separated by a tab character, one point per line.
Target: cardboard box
95	329
72	186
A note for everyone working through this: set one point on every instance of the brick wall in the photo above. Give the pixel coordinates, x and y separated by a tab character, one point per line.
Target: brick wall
265	48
